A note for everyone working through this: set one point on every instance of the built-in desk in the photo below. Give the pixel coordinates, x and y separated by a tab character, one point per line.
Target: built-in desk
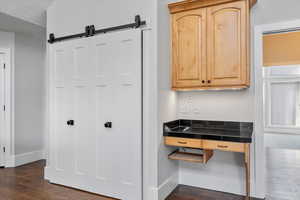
208	136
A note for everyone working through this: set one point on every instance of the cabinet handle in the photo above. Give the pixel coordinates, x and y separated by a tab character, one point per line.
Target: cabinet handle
108	125
203	81
209	81
182	142
70	123
222	146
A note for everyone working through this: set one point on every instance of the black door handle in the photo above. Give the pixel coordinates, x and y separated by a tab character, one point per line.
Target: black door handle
108	125
70	122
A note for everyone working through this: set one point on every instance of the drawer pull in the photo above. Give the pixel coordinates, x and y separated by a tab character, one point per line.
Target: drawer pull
222	146
182	142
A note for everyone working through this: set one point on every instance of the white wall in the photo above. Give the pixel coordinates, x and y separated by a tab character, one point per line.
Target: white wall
271	11
29	93
7	40
167	103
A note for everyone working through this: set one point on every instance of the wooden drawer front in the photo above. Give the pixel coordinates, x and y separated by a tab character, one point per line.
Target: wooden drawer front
183	142
224	146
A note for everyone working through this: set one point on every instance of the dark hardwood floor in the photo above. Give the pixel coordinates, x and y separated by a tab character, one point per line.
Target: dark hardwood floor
27	183
183	192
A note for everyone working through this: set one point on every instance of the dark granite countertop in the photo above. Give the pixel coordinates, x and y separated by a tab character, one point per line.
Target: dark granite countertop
210	130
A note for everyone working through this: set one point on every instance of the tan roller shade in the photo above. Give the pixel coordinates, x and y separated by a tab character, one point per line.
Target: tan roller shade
281	49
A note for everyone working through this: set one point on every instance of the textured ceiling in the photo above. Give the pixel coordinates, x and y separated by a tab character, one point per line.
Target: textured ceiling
33	11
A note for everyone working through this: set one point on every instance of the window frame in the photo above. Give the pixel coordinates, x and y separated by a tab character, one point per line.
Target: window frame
269	79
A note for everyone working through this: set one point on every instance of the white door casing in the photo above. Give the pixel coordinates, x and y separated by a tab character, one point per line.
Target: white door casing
94	81
2	113
7	99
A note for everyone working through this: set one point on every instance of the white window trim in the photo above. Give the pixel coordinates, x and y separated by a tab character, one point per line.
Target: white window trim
268	126
260	186
269	75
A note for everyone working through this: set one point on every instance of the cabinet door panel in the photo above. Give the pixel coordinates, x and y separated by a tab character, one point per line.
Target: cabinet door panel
189	48
227	44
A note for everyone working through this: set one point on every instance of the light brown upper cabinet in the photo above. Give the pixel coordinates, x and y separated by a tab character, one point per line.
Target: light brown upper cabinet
210	44
189	46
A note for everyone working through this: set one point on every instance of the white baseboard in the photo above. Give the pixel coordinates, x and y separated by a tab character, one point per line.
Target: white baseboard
30	157
47	173
163	191
10	162
151	194
167	187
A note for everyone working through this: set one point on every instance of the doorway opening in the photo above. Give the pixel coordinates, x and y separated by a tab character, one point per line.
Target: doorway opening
278	106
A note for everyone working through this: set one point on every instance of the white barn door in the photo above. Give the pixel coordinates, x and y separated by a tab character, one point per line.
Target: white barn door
61	148
96	114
